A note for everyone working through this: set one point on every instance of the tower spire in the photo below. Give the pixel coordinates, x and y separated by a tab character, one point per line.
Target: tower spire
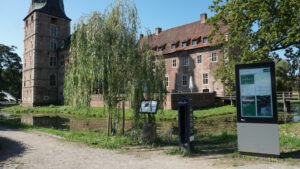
51	7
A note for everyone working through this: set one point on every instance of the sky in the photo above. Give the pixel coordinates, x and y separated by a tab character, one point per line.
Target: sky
152	13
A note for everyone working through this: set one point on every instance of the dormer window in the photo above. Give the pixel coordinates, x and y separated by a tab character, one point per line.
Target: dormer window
205	40
184	44
161	48
173	46
194	42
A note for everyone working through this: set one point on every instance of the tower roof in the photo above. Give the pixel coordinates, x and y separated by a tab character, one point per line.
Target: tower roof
50	7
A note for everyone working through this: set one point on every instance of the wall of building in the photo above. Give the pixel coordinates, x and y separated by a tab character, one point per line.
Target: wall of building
194	69
36	88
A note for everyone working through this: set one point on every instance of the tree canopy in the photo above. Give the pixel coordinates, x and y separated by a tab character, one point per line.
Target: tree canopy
256	31
285	81
106	53
10	71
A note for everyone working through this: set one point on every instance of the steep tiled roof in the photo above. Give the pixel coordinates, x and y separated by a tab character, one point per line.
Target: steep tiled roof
185	33
51	7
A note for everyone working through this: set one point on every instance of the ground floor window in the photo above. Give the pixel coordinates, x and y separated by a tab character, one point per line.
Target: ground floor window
205	90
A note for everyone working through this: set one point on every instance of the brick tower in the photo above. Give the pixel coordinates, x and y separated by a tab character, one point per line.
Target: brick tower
47	30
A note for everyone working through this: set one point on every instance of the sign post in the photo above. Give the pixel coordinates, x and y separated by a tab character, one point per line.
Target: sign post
185	125
257	117
149	107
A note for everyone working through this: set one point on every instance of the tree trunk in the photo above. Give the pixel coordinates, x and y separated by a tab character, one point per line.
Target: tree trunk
108	122
123	125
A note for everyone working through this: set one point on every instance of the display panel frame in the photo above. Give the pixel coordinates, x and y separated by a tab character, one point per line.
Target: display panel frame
144	110
256	119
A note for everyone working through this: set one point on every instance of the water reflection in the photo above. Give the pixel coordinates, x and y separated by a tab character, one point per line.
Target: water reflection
56	122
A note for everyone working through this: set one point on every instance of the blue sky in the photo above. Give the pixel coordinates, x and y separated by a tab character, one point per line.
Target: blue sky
153	13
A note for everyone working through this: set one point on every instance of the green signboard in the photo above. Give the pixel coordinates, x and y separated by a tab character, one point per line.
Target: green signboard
256	92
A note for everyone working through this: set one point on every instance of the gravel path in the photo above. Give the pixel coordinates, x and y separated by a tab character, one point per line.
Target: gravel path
34	150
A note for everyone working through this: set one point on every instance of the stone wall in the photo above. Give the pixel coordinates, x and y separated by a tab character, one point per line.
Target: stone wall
198	100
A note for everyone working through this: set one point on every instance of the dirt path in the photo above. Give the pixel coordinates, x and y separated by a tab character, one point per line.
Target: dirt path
34	150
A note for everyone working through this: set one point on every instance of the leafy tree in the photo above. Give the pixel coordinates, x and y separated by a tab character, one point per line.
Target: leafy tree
105	50
10	71
285	81
256	30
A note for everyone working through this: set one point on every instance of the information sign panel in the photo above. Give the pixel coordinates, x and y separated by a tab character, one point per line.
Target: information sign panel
149	106
256	93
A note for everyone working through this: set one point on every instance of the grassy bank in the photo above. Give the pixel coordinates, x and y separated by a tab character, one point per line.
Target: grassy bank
93	139
102	112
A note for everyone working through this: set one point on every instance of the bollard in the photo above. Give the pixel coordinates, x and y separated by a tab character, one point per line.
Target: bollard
185	125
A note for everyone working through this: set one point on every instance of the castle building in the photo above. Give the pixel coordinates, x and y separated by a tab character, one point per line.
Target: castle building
46	33
189	58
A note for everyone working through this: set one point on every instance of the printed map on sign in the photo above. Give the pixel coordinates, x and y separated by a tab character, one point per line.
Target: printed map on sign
256	92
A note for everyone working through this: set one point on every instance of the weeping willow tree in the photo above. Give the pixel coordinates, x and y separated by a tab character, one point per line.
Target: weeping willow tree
106	52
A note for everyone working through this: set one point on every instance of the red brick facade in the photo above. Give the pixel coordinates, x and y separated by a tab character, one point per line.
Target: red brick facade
188	54
43	73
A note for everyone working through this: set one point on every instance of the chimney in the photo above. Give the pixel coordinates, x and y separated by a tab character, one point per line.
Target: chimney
157	31
141	36
203	18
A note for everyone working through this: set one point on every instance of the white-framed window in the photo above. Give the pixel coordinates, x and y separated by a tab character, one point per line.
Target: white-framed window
205	90
194	42
205	40
184	44
53	60
199	59
53	30
53	44
173	46
184	80
186	61
205	78
160	49
214	57
167	81
174	63
52	80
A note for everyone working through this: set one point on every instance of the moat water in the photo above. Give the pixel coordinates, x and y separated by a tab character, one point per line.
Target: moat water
207	125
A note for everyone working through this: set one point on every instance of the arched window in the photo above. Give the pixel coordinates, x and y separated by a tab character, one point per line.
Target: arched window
52	80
